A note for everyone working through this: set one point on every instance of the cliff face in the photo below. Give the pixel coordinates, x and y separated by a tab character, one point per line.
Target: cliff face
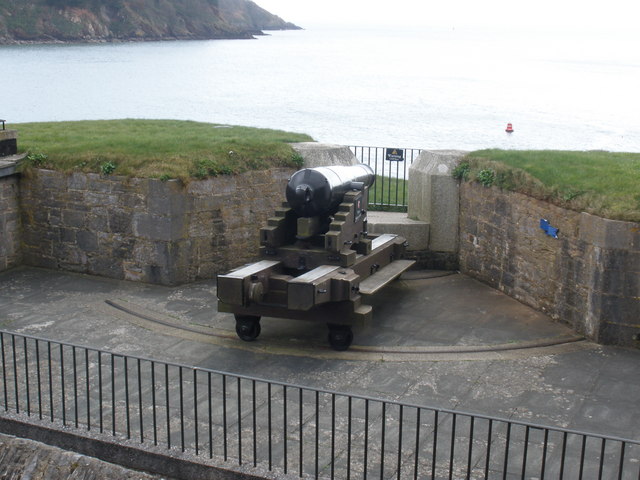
121	20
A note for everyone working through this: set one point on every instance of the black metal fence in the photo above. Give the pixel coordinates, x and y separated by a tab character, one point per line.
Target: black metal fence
288	428
391	166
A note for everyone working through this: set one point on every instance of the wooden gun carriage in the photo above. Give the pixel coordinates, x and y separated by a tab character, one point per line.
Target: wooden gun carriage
317	258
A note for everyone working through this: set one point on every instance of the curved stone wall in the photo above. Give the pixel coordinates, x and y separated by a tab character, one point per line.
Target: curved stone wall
588	277
145	229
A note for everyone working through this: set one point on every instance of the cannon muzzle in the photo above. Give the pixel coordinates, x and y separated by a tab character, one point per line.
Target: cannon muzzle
319	191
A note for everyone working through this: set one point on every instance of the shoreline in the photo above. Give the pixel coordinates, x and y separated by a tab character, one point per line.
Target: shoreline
249	35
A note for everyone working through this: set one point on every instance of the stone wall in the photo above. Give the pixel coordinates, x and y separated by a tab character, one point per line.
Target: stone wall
145	229
588	277
29	459
9	223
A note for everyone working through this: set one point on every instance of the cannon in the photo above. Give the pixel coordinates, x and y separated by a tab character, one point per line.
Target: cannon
317	259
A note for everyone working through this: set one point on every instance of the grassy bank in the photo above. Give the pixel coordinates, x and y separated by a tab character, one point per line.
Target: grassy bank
603	183
156	148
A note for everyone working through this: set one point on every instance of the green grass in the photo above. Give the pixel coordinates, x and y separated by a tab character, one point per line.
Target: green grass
156	148
603	183
388	194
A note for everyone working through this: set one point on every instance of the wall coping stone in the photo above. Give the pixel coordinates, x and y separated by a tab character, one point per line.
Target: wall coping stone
324	154
9	164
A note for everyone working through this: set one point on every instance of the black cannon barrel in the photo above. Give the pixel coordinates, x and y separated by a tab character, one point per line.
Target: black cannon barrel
318	191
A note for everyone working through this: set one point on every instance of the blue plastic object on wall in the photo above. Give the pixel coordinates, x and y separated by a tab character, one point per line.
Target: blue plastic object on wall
548	229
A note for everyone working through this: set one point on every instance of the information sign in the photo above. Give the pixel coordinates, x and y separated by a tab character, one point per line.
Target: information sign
394	154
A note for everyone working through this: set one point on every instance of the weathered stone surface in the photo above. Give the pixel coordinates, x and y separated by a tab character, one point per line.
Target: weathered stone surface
324	154
587	277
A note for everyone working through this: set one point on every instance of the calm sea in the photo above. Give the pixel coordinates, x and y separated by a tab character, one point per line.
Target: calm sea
421	88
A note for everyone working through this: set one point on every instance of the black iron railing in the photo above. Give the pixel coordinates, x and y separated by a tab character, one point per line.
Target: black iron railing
391	166
287	428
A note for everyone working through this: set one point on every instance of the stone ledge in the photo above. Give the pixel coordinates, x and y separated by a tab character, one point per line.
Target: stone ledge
416	232
9	164
324	154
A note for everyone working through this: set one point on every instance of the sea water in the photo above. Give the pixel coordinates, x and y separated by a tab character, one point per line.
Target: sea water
403	87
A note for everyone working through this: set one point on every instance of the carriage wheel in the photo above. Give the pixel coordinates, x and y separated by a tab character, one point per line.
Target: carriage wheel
248	327
340	337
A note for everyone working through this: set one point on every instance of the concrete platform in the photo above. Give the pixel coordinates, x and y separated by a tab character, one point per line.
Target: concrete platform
437	339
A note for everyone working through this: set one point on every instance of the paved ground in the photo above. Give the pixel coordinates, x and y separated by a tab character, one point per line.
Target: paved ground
437	339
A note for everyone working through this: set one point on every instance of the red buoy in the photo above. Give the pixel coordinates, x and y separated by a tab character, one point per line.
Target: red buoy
509	128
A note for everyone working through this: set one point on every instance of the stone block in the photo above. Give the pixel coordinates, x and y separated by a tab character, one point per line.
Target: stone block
55	217
70	255
77	181
631	287
99	184
155	227
166	198
205	203
35	258
87	240
324	154
415	232
620	310
610	259
73	218
434	196
52	180
93	199
121	247
133	272
156	274
615	334
120	222
106	267
98	221
68	235
611	234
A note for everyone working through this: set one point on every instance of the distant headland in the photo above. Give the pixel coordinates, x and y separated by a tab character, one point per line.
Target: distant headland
60	21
